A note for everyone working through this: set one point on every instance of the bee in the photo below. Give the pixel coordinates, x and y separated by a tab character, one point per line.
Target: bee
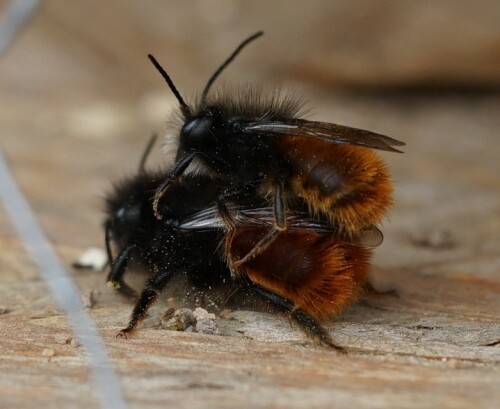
309	273
132	228
253	140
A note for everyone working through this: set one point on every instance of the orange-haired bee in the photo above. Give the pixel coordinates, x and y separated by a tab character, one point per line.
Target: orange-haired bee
310	271
253	140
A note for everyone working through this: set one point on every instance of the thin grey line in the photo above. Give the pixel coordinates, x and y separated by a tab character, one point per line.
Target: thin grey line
63	288
15	17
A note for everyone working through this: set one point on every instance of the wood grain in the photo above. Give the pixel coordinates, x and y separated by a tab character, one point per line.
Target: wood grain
436	345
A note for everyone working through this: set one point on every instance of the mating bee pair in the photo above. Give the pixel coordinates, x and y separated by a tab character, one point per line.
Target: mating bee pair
295	202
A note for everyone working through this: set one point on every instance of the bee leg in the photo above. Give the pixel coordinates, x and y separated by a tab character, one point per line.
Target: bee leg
147	298
228	220
228	240
280	225
118	268
315	330
224	212
162	189
230	223
307	323
258	248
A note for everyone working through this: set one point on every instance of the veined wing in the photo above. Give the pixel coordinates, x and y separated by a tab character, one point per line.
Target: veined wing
334	133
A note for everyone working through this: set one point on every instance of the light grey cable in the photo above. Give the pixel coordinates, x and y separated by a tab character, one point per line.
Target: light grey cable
105	380
16	14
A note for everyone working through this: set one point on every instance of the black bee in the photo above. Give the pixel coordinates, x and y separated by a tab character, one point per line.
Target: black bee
253	140
166	251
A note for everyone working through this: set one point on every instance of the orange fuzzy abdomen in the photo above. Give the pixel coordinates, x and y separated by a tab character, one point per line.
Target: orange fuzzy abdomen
350	185
317	272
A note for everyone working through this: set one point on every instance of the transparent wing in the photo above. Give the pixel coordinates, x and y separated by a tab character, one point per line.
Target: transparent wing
209	219
334	133
258	217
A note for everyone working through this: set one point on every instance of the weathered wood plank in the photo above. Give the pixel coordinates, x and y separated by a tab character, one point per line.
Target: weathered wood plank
436	345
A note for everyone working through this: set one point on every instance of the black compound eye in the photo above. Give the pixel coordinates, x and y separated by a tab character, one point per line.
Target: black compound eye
127	214
120	214
197	128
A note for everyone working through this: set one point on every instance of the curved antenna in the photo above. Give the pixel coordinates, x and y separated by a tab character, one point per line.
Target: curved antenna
107	241
186	111
147	151
216	74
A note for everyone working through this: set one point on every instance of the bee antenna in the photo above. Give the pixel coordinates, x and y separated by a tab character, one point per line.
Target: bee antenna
216	74
147	151
186	111
107	241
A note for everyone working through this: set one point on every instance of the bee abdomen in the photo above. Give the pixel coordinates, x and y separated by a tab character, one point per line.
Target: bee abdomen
317	272
348	184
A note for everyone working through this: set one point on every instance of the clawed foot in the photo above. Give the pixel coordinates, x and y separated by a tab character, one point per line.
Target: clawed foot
123	289
125	333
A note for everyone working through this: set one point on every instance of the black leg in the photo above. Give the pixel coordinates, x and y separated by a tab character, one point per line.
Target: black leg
118	268
228	194
179	169
307	323
147	298
279	226
314	329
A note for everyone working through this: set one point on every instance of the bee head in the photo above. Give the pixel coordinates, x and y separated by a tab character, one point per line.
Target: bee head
125	219
128	212
200	130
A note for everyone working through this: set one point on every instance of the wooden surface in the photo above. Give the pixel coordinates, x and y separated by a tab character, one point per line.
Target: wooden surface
436	345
